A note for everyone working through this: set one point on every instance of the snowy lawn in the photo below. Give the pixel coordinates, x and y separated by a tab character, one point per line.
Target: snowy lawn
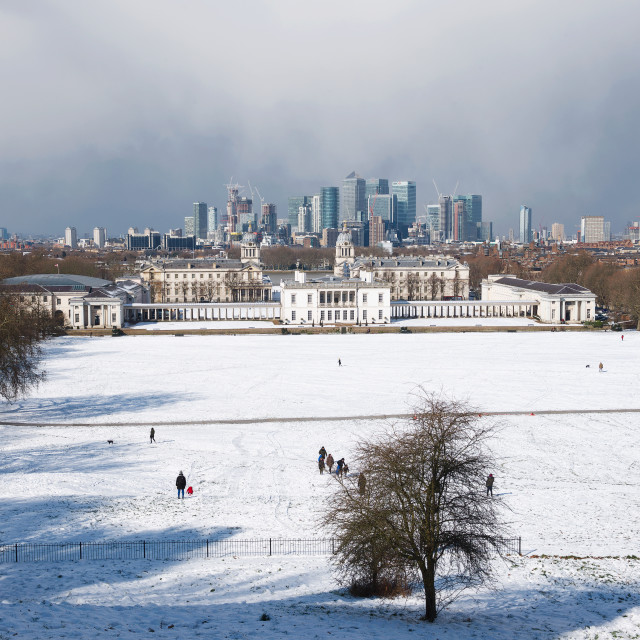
571	482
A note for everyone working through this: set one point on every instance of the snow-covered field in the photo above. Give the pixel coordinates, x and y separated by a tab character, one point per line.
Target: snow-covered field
571	481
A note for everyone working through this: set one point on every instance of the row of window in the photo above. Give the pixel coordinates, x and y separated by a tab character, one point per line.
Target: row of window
335	297
337	315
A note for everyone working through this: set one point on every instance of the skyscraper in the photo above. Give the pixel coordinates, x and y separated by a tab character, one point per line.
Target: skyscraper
330	205
71	237
376	230
446	217
246	216
188	225
557	231
200	220
269	220
433	222
406	194
376	185
592	229
525	225
212	220
353	199
294	204
383	205
99	236
471	217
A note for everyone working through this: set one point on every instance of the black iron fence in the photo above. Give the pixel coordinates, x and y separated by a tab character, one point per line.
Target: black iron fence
180	549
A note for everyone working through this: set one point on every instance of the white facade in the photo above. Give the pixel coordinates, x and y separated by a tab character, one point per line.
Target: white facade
99	236
592	229
71	237
334	300
554	303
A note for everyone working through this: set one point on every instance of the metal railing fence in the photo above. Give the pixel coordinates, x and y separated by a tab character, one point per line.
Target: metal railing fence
181	549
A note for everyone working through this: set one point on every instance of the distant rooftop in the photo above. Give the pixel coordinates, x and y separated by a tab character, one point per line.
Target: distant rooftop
58	280
557	289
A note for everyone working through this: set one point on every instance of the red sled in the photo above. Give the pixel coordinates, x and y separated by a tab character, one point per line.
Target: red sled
190	491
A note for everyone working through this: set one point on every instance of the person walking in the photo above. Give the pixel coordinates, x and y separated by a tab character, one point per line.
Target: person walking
323	451
489	484
330	462
622	337
362	483
339	467
181	483
152	435
339	362
321	464
600	367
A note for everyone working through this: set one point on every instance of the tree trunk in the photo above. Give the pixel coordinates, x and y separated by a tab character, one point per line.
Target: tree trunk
428	580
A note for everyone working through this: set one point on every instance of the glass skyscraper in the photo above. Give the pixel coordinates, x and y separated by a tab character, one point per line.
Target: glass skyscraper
470	228
376	185
525	225
406	193
295	202
200	215
330	207
353	198
384	206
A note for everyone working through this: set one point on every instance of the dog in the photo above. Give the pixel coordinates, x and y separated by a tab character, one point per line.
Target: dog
109	441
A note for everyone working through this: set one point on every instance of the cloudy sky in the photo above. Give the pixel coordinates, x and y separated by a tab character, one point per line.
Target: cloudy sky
124	112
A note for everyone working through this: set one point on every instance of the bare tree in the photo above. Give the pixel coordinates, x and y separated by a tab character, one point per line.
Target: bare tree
413	286
23	326
423	513
433	284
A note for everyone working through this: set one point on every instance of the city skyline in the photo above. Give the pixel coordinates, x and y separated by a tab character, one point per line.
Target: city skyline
116	127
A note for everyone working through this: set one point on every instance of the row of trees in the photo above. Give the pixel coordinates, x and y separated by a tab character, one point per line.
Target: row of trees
421	514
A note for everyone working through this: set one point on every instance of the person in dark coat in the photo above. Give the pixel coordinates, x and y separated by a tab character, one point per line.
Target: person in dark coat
489	484
323	451
181	483
339	362
330	462
339	467
321	464
362	483
152	435
600	367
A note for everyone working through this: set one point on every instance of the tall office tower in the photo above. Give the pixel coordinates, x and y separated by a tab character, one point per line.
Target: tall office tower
557	232
433	222
458	231
200	220
99	237
592	229
189	226
406	193
246	217
269	220
330	203
486	231
316	213
472	217
525	225
376	231
383	205
212	220
446	217
294	204
511	235
304	218
71	237
376	185
353	200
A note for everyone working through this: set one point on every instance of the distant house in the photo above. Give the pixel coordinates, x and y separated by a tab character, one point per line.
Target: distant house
552	302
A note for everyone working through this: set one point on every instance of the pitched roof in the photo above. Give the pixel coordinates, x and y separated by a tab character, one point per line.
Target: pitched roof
545	287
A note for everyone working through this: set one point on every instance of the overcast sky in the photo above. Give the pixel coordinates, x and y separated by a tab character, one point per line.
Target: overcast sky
125	112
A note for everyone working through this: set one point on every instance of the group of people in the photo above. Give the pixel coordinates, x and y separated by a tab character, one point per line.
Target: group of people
324	460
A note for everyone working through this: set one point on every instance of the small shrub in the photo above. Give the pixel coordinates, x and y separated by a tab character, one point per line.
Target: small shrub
383	588
265	617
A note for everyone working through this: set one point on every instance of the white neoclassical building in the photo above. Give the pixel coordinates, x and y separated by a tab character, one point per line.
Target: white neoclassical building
408	277
551	302
334	300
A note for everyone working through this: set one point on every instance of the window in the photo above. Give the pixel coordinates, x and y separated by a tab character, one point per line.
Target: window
113	317
322	315
322	297
293	298
176	276
380	314
364	314
309	315
44	298
344	296
352	315
58	301
211	276
380	297
588	313
77	318
193	275
309	299
364	298
329	316
293	315
352	296
184	275
553	314
201	276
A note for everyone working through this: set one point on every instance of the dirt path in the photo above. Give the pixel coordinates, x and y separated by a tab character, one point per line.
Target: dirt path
378	416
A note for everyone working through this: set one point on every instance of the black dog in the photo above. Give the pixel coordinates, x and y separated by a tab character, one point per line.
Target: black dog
109	441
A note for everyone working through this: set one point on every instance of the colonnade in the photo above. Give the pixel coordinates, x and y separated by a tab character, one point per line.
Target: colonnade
463	309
